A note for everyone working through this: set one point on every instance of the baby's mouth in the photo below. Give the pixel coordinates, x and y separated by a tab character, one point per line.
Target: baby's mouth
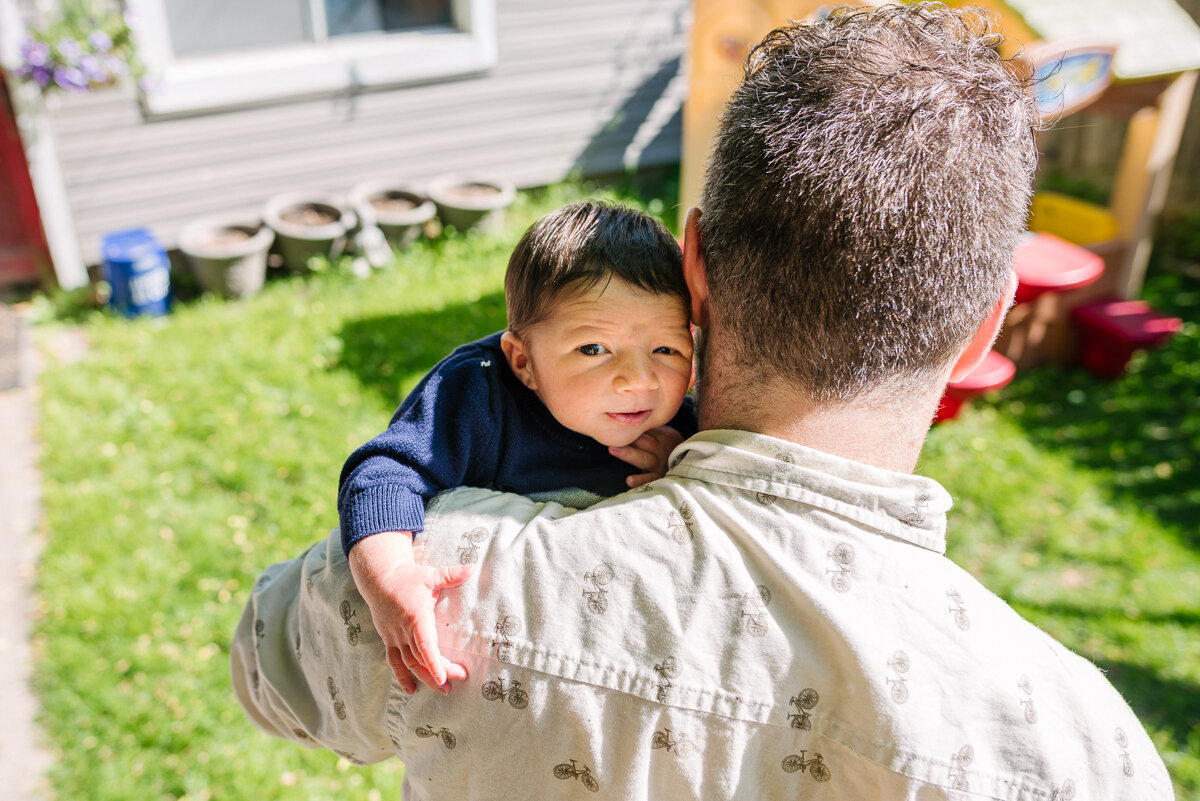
629	418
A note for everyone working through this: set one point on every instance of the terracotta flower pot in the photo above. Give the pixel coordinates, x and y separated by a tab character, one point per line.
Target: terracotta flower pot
228	255
308	224
396	208
471	203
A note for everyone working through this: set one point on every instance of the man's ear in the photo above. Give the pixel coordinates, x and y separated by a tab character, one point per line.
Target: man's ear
981	343
694	270
517	356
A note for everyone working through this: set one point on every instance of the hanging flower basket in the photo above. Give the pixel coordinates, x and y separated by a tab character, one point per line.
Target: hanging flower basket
396	208
228	256
308	224
88	45
471	203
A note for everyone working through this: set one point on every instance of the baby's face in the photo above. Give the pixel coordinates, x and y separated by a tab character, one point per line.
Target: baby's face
610	362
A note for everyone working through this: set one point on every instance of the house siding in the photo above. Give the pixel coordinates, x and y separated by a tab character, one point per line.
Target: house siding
584	88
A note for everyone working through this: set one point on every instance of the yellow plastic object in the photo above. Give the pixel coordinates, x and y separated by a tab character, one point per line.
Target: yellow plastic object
1072	219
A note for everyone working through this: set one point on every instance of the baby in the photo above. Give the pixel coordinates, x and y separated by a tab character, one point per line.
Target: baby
588	380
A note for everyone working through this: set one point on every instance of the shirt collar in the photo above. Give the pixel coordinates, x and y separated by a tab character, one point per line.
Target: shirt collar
902	505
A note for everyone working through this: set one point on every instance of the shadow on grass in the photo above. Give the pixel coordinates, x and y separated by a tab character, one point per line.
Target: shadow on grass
390	352
1144	429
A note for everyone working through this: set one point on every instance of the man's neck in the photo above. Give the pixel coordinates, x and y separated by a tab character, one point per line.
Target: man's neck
884	433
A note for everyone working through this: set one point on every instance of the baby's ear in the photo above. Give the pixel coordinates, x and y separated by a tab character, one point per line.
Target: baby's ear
517	357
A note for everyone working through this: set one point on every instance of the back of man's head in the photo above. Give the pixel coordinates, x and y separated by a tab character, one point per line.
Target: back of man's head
866	192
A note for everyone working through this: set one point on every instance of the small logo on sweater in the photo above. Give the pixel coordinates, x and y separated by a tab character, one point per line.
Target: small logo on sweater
486	363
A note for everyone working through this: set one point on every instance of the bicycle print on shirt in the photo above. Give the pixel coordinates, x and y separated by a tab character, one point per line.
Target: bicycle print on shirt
597	596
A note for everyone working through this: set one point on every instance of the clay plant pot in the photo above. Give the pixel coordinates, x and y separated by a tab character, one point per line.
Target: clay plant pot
471	203
228	255
308	224
396	208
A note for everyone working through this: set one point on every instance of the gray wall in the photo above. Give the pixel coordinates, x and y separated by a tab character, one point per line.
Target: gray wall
579	86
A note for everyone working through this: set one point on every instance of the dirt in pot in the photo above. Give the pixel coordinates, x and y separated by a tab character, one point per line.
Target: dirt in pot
471	191
311	214
227	238
393	203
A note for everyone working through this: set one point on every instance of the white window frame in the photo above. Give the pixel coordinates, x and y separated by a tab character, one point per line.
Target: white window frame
204	83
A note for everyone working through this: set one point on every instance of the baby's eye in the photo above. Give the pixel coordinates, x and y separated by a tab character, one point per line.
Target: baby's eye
592	350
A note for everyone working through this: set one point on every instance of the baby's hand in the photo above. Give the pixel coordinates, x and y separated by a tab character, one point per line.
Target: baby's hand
401	595
650	452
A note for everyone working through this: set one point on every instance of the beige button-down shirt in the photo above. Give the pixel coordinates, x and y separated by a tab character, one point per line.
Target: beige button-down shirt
767	621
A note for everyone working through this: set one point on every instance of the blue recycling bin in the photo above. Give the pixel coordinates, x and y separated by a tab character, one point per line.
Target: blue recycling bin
136	267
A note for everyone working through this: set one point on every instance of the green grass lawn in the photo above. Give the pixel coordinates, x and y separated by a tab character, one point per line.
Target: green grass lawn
183	455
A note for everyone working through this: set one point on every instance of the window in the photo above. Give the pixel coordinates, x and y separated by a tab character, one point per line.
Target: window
204	54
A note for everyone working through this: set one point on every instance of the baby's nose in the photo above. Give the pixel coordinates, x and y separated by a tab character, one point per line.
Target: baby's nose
635	373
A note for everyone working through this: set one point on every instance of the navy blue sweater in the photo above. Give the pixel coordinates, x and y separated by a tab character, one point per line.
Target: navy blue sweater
471	422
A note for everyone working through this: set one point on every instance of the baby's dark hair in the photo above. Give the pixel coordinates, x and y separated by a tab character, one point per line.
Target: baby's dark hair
582	244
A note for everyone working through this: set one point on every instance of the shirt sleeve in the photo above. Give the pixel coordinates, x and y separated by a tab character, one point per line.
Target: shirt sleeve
306	663
444	435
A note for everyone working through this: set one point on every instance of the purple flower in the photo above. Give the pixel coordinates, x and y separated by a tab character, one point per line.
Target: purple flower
116	67
69	49
42	75
70	78
93	68
35	53
100	41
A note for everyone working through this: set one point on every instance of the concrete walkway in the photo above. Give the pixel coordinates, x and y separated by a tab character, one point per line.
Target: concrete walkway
23	762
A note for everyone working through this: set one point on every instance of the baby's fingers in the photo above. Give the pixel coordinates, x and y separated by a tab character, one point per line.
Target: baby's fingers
446	577
638	479
424	676
636	455
395	660
424	646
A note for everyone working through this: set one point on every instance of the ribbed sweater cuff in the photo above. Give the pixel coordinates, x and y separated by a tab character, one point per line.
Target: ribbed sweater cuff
380	509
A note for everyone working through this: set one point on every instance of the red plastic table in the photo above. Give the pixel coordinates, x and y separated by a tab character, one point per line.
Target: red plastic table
995	371
1045	266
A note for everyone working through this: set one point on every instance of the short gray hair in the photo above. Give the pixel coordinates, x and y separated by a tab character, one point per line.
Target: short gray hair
868	186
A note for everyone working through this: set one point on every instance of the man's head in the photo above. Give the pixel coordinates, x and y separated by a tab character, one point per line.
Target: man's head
597	318
865	195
